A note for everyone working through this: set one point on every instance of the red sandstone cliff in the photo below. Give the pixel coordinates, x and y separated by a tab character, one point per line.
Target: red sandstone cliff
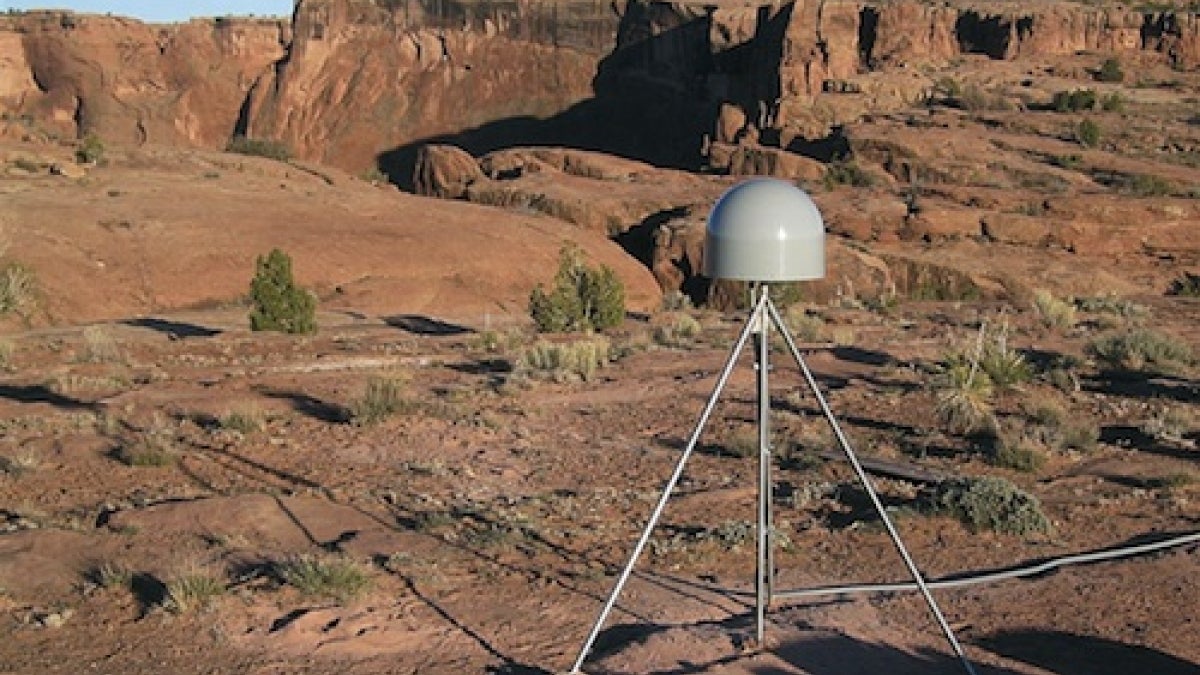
132	82
358	83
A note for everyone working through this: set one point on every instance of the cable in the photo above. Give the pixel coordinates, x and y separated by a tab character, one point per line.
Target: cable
988	577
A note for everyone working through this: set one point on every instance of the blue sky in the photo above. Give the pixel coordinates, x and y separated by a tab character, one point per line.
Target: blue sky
158	10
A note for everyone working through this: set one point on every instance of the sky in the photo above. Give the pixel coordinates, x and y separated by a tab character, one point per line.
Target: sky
160	10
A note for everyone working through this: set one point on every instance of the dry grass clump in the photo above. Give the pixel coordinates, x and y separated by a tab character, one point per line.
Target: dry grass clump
327	576
195	588
1142	350
989	503
246	419
18	290
1053	313
108	575
1018	454
1170	423
382	398
99	346
565	361
152	447
7	349
677	330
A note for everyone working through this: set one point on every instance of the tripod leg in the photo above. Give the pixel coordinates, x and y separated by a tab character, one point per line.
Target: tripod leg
866	483
670	486
763	569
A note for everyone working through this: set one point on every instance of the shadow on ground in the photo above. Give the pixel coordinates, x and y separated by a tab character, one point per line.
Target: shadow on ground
1070	654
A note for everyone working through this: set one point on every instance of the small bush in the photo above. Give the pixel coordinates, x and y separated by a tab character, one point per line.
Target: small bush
583	298
278	303
847	172
1187	285
260	147
989	503
565	361
1074	101
152	447
1006	367
1114	102
109	575
1110	71
193	590
1088	133
1082	437
1019	455
18	290
90	150
678	330
1149	185
1169	424
804	325
1054	313
99	346
325	576
1141	350
1114	305
246	420
383	397
964	398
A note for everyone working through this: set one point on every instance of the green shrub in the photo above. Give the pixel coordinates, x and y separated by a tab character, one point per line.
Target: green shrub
1074	101
1087	133
1187	285
989	503
583	298
278	303
1141	350
1148	185
325	576
1110	71
1005	367
847	172
1113	102
964	395
1169	424
90	150
383	397
260	147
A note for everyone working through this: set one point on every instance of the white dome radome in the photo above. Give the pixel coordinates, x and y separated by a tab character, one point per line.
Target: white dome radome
765	230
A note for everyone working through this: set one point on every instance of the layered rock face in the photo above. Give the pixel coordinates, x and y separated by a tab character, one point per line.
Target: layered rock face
362	83
785	75
366	82
131	82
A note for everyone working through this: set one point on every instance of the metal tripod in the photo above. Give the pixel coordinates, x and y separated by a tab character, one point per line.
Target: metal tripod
761	318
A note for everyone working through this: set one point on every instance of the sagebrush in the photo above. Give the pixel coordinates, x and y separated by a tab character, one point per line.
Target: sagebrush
989	503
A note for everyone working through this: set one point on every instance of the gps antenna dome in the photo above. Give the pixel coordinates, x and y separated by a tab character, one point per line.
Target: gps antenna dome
765	230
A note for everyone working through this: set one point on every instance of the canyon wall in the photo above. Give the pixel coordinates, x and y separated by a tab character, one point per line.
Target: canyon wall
786	75
365	83
130	82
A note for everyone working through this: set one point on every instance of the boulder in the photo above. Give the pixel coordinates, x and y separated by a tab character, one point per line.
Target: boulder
444	171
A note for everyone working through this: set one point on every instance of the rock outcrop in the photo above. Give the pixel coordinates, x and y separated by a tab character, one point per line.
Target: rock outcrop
130	82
